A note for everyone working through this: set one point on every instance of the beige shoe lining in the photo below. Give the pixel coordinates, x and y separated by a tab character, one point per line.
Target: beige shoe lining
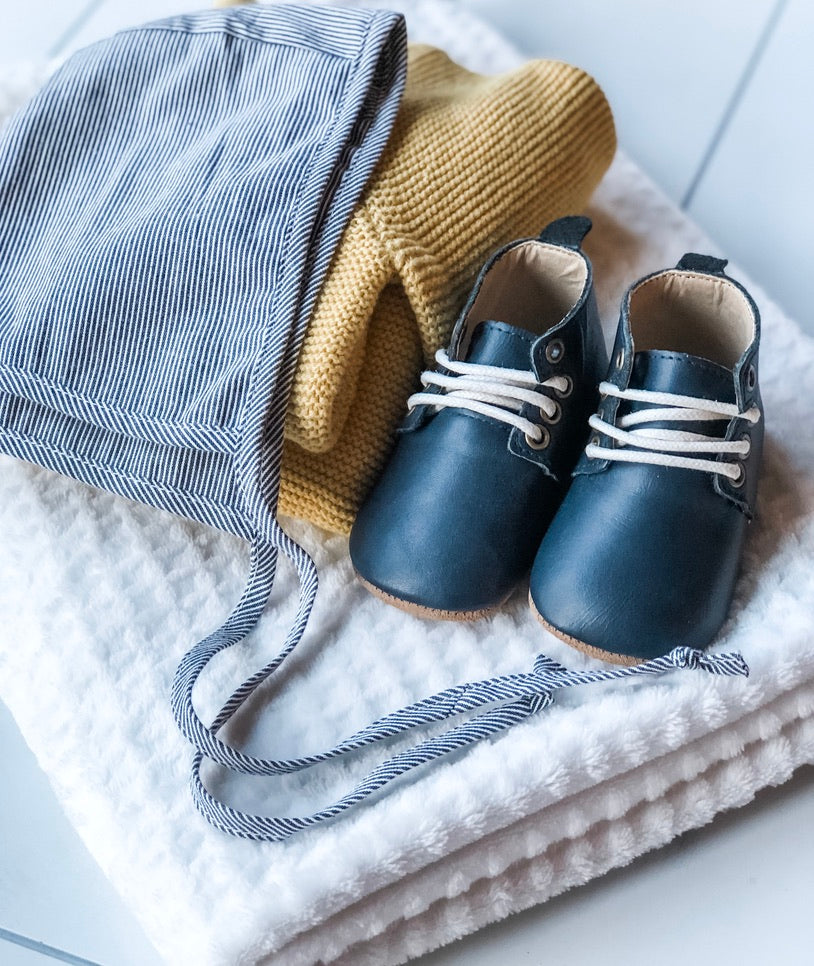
698	314
533	286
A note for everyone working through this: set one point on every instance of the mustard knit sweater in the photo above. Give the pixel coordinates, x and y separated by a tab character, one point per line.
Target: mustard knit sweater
472	163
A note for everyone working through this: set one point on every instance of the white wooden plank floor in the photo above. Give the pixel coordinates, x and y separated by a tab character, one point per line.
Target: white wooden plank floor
713	99
756	195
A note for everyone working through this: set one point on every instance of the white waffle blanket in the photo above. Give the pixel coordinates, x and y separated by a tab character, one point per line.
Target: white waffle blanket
101	597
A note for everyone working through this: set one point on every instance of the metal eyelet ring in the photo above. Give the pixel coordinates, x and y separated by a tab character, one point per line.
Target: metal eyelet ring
555	351
740	479
555	418
544	440
620	359
594	441
569	388
745	438
751	378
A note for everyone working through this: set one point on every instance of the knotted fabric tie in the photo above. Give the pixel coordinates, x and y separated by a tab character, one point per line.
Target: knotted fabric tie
501	701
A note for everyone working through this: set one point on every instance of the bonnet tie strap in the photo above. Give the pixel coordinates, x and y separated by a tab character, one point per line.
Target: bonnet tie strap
501	701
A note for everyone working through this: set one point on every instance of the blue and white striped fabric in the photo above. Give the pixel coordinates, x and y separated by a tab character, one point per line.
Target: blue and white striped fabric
169	204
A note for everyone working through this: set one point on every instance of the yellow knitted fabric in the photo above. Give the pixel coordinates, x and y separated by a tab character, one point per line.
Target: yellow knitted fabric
472	163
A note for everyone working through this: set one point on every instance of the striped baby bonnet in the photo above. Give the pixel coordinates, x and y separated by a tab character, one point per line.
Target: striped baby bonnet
169	204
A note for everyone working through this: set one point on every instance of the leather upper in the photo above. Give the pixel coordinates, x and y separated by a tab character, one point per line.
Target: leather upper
458	514
643	558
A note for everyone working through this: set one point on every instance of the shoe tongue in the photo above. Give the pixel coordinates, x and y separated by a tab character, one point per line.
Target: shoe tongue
683	375
500	344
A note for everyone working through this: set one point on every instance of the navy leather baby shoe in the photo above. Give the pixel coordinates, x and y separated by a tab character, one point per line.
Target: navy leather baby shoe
485	453
643	554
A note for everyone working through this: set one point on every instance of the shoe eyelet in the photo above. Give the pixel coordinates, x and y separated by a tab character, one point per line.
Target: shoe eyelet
551	420
555	351
751	378
569	388
746	438
740	479
594	441
619	361
544	440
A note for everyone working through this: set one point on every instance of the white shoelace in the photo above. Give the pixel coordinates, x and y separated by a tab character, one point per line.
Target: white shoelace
660	446
492	391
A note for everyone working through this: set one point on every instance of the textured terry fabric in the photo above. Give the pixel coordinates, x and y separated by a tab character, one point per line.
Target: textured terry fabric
169	204
473	162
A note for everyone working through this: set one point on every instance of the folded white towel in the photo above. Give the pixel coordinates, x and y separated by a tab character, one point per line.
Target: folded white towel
100	598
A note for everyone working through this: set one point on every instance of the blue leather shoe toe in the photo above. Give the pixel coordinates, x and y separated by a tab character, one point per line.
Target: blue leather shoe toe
643	554
485	453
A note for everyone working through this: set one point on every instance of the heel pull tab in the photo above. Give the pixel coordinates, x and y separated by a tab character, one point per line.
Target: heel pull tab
708	264
568	231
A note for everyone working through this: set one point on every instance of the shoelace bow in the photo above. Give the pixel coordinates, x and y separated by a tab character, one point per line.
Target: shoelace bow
661	446
492	391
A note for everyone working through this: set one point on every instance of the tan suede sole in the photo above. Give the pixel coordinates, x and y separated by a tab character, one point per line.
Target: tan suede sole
588	649
426	613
